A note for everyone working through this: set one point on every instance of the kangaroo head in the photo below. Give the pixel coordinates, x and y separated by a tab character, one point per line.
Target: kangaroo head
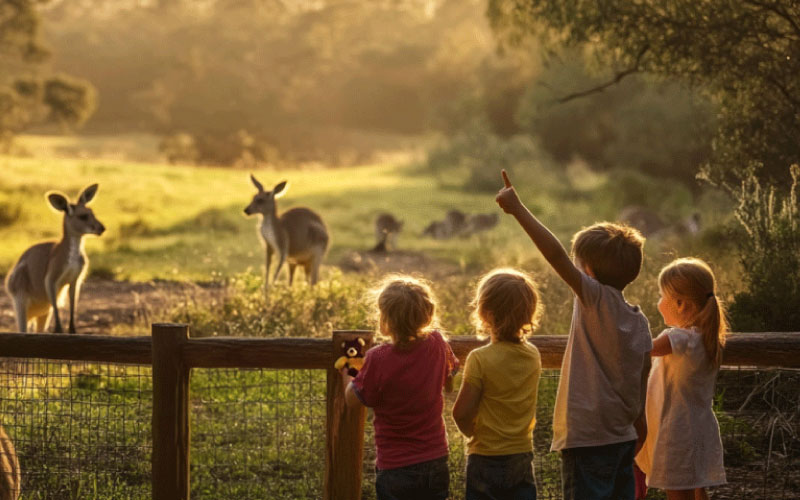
78	218
263	202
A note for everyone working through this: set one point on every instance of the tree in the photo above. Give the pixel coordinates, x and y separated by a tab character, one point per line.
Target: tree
27	97
745	54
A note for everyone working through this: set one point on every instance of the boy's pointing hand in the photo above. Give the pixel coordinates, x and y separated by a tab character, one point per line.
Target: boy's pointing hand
507	197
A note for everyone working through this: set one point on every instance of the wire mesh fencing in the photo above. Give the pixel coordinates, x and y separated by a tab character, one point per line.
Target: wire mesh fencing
257	433
81	430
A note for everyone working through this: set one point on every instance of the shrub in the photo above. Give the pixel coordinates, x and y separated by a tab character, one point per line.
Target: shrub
769	254
298	311
474	156
10	212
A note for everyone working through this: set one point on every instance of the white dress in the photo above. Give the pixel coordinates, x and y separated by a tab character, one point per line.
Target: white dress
683	449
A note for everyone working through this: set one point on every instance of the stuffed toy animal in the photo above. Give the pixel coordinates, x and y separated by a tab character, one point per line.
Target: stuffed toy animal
353	357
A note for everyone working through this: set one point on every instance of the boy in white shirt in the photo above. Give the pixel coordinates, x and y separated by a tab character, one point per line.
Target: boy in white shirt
598	413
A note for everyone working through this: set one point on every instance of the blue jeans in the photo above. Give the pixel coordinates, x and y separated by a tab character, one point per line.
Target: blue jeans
423	481
598	472
501	477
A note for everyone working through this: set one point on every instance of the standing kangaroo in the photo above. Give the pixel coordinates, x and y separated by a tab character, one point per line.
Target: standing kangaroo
39	277
298	236
10	476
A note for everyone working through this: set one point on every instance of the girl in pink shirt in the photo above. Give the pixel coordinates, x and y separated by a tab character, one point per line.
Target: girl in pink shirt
402	381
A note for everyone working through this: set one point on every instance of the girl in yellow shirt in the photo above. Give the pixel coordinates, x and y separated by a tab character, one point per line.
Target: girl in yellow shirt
496	406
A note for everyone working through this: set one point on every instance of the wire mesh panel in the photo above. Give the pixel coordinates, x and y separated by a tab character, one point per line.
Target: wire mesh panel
257	433
81	430
759	417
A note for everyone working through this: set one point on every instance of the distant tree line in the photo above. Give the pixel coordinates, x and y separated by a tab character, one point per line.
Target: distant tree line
29	93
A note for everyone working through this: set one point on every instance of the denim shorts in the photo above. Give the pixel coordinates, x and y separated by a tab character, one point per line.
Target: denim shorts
598	472
423	481
500	477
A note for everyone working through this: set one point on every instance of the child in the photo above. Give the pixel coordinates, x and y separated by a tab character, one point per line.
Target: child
683	451
600	393
496	406
402	382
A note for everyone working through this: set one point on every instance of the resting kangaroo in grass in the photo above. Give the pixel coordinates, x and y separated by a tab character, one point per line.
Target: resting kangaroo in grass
9	469
37	280
298	236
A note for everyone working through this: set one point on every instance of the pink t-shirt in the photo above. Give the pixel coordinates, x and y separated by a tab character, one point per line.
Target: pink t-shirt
404	389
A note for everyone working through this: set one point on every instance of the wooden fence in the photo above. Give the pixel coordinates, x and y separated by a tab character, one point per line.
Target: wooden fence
172	355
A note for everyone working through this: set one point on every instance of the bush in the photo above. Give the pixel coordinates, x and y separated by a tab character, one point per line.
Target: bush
474	156
769	255
179	147
10	212
298	311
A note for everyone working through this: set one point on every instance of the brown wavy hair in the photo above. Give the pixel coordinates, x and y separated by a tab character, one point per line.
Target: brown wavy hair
506	305
690	279
611	250
405	307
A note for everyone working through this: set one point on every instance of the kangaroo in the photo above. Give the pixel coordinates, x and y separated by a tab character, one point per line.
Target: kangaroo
454	222
10	476
643	219
480	222
298	236
36	282
386	229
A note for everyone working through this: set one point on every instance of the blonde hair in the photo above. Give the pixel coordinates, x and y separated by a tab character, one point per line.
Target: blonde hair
690	279
405	307
612	251
506	305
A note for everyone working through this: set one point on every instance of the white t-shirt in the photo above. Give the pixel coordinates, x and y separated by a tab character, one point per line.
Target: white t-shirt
683	449
599	394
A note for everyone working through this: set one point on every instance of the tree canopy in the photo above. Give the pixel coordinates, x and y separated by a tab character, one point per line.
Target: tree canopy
27	93
745	54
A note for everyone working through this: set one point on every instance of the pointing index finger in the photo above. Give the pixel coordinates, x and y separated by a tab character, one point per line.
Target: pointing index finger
505	178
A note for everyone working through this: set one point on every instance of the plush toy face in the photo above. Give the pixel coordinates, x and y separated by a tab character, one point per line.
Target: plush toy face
353	348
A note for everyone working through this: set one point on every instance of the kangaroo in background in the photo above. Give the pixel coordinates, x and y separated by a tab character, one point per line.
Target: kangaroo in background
10	476
36	282
386	229
298	236
477	223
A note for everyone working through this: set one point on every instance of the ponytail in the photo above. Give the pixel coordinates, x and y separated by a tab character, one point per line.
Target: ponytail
713	327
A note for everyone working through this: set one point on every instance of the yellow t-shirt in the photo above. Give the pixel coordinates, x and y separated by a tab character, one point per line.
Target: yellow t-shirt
508	376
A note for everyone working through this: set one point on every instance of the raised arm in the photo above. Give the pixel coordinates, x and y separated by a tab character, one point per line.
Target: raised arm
552	249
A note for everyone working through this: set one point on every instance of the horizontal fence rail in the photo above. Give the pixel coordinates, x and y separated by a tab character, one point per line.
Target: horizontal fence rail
777	349
172	354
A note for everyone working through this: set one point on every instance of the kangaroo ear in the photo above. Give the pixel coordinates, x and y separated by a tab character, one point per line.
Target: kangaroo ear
280	189
87	195
59	202
256	183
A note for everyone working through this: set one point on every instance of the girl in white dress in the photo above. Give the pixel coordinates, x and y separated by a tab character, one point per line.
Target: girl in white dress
682	452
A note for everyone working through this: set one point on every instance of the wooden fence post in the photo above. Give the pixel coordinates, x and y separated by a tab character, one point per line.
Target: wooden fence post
170	413
344	432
